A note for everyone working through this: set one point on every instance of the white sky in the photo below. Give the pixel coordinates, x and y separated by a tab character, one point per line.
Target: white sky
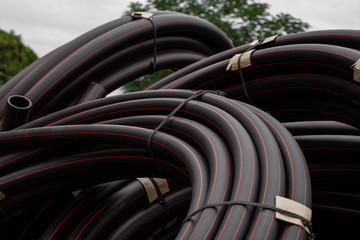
46	24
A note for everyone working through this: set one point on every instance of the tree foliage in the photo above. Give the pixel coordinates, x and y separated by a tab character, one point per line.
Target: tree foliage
242	20
146	81
14	56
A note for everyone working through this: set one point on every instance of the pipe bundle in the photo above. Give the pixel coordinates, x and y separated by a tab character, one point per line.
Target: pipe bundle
73	160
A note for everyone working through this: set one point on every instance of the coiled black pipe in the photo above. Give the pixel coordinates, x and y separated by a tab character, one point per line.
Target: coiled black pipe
16	112
344	38
299	77
225	122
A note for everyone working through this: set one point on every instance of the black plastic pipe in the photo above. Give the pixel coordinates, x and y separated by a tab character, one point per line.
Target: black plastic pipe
16	112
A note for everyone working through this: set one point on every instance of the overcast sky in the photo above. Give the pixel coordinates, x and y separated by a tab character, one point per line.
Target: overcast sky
47	24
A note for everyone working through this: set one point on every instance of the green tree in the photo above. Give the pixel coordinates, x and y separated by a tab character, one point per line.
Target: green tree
141	83
14	56
242	21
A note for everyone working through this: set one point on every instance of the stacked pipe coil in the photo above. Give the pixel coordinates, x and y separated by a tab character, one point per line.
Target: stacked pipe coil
71	159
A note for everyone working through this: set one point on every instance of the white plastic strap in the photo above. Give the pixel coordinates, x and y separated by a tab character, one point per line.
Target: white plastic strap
356	68
245	61
76	193
269	39
146	15
150	188
294	207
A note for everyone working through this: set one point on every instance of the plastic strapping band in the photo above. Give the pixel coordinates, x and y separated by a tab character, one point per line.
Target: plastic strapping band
160	193
269	39
3	213
243	60
239	61
76	193
289	205
2	196
245	57
246	63
255	42
195	95
286	210
145	15
149	16
356	67
154	187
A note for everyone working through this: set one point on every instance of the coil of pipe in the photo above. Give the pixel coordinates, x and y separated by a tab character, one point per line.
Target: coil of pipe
209	124
215	149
